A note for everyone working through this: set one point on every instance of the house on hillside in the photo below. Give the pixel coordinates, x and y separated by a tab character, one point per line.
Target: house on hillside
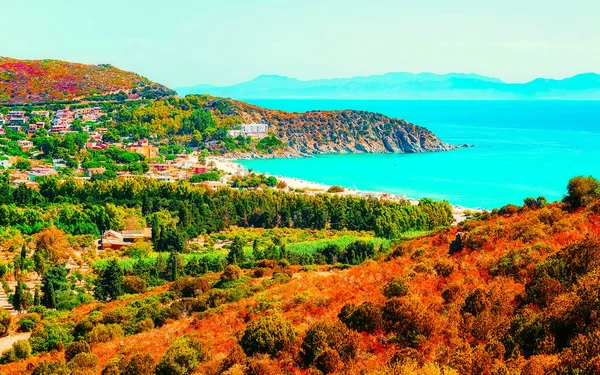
16	117
5	164
41	113
25	145
143	147
15	128
41	172
33	127
92	114
115	240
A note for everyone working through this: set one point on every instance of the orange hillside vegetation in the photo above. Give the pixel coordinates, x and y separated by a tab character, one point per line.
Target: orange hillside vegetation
519	296
30	81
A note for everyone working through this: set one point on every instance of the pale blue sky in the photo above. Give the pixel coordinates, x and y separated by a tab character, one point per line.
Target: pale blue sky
186	42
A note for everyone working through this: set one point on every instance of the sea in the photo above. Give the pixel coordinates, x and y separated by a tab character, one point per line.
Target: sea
521	149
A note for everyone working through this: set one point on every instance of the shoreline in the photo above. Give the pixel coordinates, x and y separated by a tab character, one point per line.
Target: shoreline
230	166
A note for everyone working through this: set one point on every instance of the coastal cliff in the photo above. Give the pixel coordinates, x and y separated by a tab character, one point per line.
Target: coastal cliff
336	132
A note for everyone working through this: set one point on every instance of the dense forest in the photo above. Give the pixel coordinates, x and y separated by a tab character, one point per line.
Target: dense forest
195	210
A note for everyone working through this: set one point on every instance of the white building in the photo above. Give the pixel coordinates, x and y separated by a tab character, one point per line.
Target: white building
251	130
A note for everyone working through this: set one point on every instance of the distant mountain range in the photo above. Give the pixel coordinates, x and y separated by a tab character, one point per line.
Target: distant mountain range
423	86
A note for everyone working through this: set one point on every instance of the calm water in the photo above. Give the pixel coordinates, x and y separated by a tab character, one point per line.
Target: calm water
523	149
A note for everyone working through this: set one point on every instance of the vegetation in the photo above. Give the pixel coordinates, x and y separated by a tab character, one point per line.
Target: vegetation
27	81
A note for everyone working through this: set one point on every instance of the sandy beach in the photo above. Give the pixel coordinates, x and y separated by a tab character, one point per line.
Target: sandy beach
231	167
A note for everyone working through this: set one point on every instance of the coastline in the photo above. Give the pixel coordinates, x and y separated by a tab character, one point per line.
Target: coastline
230	166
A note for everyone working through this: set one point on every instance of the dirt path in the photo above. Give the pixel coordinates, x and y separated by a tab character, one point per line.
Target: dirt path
7	341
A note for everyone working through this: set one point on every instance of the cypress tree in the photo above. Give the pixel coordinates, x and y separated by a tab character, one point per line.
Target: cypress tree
17	300
236	252
36	297
51	299
23	254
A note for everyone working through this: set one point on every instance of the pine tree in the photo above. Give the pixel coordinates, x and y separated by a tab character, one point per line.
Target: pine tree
109	285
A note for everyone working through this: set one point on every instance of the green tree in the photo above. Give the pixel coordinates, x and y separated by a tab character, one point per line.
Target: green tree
109	284
581	191
268	335
54	280
236	252
181	358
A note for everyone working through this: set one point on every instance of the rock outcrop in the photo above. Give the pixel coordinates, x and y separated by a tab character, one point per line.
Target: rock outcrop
336	132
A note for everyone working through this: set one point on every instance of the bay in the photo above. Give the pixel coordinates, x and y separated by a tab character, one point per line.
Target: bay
523	148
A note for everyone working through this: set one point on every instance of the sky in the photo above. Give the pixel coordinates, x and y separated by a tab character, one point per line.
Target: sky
222	42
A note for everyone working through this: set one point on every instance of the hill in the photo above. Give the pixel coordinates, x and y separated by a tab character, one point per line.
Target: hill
319	132
407	86
31	81
514	291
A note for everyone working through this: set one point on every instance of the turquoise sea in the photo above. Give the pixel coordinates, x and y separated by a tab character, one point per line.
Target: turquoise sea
524	148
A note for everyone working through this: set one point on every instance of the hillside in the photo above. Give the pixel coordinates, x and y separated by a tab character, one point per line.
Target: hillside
31	81
408	86
518	294
320	132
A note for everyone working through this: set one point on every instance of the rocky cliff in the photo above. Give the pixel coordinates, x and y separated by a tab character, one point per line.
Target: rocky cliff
322	132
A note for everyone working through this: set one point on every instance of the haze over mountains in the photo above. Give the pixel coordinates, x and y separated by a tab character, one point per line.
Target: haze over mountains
422	86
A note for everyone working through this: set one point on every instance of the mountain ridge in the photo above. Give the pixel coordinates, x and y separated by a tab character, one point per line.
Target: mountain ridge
34	81
405	86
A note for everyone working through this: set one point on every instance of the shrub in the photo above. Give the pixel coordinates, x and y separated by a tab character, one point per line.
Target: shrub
181	358
408	319
328	362
138	364
143	325
112	367
268	335
357	252
105	333
50	368
396	287
21	349
328	334
582	191
509	210
476	302
332	253
190	286
444	268
83	363
134	284
236	356
4	322
49	336
75	348
231	273
26	324
120	316
336	189
365	318
262	365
